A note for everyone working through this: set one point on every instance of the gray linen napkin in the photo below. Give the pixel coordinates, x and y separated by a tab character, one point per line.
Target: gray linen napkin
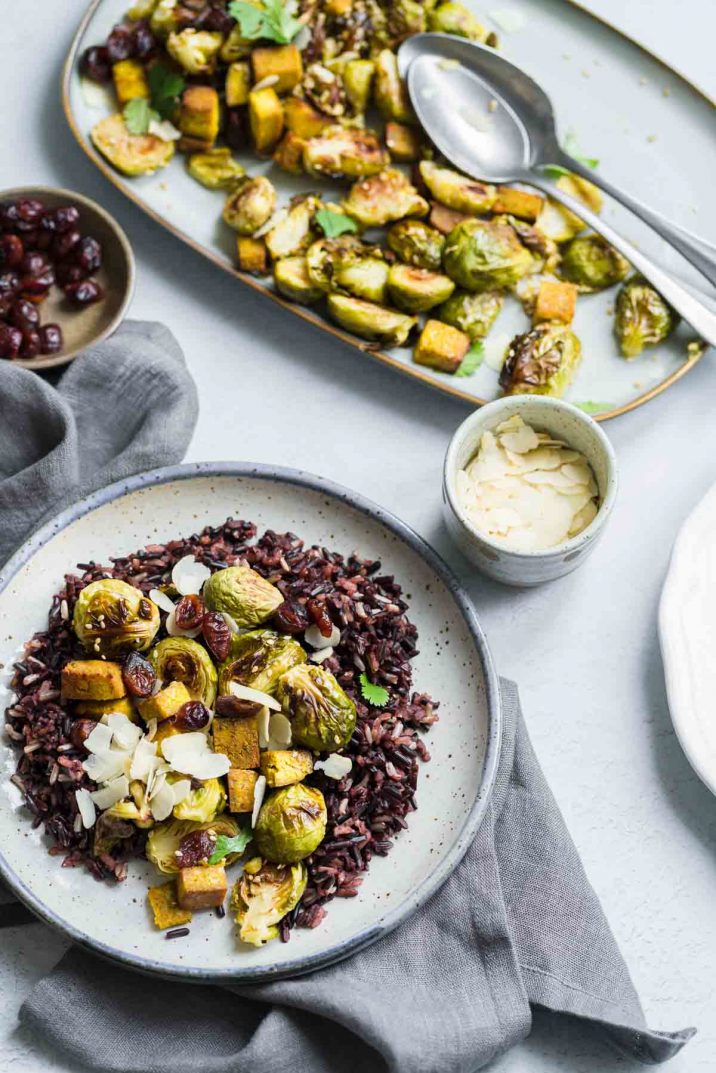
517	924
126	405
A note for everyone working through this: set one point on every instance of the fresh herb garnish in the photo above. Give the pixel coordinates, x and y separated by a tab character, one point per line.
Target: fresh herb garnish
226	845
333	224
377	696
274	20
593	407
555	171
165	86
472	360
138	115
572	147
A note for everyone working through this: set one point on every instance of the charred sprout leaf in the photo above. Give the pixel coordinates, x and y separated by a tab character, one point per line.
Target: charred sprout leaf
642	317
472	360
165	87
138	115
334	224
322	715
274	21
263	896
376	696
555	171
572	147
291	824
226	845
112	618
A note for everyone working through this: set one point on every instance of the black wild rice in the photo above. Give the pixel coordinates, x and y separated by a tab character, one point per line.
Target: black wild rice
366	809
177	933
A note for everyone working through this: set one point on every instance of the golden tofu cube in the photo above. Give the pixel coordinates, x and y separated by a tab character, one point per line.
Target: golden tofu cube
441	346
92	679
238	84
518	203
166	729
95	709
283	767
164	703
555	301
199	115
201	887
283	60
238	739
444	219
289	153
130	81
302	118
265	118
252	255
403	142
165	907
242	784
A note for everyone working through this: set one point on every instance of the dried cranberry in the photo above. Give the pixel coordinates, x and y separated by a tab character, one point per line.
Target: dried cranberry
88	254
236	131
290	617
236	706
6	304
8	215
81	730
95	63
39	240
33	263
138	675
31	344
11	251
63	245
36	287
24	314
320	617
120	44
10	341
189	612
217	634
69	273
84	293
145	43
51	338
192	716
30	211
218	20
63	218
195	848
9	283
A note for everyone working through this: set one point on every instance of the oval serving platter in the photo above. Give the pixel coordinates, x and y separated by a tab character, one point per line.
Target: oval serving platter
454	665
625	107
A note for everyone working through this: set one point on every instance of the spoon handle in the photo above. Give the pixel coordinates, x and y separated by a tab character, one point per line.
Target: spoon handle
694	312
700	253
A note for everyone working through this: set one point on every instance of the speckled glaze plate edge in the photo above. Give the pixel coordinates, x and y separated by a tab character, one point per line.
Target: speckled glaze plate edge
434	880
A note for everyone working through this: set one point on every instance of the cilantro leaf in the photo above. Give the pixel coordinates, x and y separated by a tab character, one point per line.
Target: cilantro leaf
472	360
226	845
333	224
571	146
165	86
138	115
593	407
555	171
249	18
274	20
377	696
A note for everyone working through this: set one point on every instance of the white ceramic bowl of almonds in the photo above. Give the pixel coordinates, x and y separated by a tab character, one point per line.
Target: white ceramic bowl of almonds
529	483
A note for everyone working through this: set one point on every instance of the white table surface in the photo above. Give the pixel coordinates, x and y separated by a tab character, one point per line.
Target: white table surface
584	649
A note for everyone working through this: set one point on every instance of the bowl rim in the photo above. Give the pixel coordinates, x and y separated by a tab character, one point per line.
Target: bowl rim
52	361
476	421
463	838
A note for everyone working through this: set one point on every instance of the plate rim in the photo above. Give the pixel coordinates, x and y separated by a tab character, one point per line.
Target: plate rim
435	879
68	68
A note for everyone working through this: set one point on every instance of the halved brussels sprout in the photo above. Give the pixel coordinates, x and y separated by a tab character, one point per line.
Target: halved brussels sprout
390	93
291	824
109	833
263	896
541	362
545	254
142	9
203	804
132	154
242	593
347	151
362	272
370	321
322	715
215	169
179	659
485	255
195	51
453	18
403	19
165	17
592	264
473	314
258	659
291	277
455	190
643	317
415	290
236	46
357	81
165	838
294	233
249	207
415	243
112	618
384	197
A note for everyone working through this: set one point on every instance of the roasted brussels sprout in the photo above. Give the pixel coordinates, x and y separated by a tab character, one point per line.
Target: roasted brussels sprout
258	659
164	18
545	255
290	275
132	154
357	82
236	46
195	51
384	197
347	151
216	169
179	659
323	716
452	18
360	271
415	290
455	190
142	9
294	233
263	896
473	314
112	618
322	255
643	317
485	255
291	824
203	804
541	362
242	593
560	223
249	207
110	833
389	91
415	243
592	264
370	321
166	837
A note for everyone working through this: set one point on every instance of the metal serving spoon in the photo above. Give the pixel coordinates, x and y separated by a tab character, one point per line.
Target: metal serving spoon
493	122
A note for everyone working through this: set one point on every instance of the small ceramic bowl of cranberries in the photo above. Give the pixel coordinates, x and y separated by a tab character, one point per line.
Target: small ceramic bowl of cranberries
66	275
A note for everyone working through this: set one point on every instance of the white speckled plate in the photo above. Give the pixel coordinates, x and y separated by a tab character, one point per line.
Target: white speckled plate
687	633
454	665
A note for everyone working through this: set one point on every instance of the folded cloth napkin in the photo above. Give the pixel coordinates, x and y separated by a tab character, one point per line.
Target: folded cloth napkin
517	924
126	405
